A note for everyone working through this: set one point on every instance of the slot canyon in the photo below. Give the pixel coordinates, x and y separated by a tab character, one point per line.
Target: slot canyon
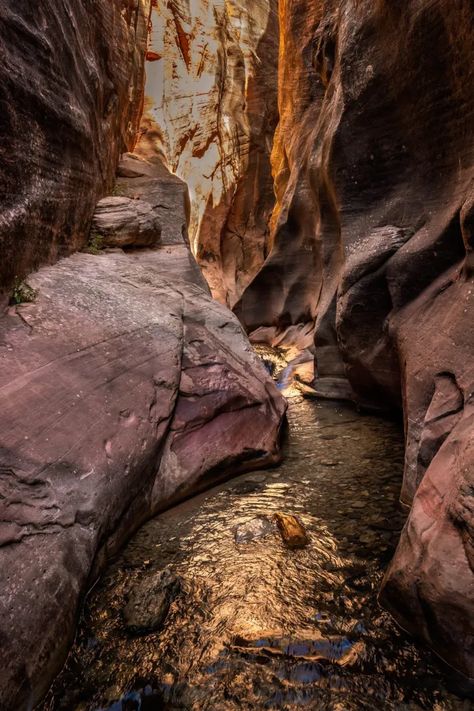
236	355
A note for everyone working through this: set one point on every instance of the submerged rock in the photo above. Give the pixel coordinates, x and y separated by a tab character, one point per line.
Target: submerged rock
258	527
322	650
150	600
292	530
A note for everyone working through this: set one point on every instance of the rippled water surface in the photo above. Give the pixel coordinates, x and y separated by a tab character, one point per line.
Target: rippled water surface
250	624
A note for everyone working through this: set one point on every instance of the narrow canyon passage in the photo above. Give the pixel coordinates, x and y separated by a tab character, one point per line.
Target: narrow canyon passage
190	192
248	623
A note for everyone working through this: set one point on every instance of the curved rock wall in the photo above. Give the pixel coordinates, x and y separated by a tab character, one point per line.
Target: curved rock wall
212	111
125	387
372	250
71	92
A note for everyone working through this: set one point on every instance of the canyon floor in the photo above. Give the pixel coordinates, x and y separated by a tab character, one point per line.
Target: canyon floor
248	623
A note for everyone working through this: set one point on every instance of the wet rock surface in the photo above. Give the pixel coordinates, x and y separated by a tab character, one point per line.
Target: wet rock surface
149	602
124	388
258	625
291	530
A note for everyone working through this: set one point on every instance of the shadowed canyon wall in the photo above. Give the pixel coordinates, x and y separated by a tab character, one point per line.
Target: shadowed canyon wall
212	112
71	93
372	252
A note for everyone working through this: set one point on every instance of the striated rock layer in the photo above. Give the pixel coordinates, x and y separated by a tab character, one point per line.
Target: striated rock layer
371	253
212	112
71	92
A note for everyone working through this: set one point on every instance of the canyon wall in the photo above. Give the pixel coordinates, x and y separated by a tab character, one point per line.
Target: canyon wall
370	261
71	92
212	112
372	250
124	386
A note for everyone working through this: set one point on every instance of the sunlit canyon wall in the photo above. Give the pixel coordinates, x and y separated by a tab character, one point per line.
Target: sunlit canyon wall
211	105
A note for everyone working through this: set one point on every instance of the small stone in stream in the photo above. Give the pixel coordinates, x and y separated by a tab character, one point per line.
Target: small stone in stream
256	478
258	527
353	655
292	530
245	487
149	602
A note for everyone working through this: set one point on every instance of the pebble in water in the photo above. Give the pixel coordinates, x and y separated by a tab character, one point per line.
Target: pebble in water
149	601
292	530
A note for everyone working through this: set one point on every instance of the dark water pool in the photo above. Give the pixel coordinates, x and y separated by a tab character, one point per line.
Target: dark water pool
248	623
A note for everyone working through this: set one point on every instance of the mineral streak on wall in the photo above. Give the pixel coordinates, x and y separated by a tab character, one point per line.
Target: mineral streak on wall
212	109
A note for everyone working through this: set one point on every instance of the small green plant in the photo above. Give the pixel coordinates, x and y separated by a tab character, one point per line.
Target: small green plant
117	190
22	293
95	244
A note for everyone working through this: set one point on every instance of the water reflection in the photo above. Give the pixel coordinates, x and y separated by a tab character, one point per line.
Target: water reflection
252	624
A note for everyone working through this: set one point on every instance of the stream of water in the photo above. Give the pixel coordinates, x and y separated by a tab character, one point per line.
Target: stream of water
238	620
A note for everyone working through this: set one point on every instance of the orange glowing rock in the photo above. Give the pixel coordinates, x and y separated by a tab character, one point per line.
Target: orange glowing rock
292	530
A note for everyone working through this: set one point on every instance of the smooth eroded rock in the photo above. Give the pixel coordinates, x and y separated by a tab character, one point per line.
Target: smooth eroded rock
124	387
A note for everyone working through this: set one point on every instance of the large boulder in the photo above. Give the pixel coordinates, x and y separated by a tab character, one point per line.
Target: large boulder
146	179
372	252
123	222
124	387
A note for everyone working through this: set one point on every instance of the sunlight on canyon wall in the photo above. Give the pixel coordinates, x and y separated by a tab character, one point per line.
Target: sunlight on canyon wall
212	112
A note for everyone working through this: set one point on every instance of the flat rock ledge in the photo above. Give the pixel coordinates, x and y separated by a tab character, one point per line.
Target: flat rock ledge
124	388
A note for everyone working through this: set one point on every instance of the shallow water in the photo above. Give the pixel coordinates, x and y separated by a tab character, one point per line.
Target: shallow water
250	623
